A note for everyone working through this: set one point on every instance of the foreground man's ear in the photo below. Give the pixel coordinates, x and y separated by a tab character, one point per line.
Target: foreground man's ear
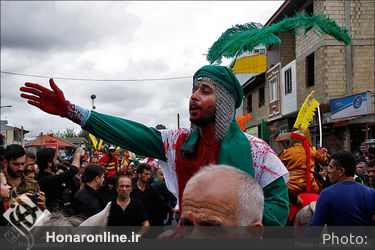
256	230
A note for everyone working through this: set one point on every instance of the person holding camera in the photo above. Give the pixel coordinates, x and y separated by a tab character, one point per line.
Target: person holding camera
48	180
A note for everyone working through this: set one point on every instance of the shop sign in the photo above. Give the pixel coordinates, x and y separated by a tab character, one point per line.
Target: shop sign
51	143
354	105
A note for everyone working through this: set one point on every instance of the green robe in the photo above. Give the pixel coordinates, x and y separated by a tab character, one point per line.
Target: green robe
148	141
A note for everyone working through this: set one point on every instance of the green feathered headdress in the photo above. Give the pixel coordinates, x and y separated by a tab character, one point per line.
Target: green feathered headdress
244	37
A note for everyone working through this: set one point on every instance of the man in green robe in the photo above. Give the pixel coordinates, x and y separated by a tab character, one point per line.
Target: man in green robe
214	137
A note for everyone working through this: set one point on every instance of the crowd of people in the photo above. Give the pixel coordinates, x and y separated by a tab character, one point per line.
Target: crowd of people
212	174
83	189
137	195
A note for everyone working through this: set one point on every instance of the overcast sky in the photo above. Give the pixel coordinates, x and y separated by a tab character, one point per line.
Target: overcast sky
113	40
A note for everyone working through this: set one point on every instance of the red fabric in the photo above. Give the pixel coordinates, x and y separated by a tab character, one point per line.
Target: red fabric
52	102
110	164
307	199
307	149
186	167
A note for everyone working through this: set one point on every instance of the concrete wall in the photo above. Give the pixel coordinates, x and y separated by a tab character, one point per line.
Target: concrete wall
288	47
331	56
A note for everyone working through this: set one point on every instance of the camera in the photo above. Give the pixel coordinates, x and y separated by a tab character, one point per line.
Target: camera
34	197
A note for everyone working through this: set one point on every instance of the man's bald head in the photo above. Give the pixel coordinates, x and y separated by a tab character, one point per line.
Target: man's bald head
234	196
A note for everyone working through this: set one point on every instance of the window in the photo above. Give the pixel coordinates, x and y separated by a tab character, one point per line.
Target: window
261	97
249	103
256	51
310	70
273	89
288	81
262	51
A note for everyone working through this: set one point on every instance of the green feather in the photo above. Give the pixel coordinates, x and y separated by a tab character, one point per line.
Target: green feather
244	37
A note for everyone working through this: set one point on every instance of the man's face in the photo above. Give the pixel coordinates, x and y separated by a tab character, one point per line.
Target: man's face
124	187
212	202
367	159
84	164
371	173
94	160
30	161
334	174
101	180
160	175
145	176
202	104
15	166
129	169
54	164
361	168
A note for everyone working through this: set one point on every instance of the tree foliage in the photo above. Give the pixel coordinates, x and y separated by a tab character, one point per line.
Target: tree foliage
160	126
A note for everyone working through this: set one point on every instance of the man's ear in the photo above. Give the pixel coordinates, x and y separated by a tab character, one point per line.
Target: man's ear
97	178
342	171
256	230
5	162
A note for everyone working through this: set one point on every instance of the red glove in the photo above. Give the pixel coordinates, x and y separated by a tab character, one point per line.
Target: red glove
52	102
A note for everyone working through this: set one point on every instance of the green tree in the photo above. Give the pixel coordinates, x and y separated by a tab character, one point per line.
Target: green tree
160	126
69	133
85	134
57	134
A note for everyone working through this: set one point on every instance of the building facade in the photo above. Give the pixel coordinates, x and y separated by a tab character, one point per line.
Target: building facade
337	73
11	135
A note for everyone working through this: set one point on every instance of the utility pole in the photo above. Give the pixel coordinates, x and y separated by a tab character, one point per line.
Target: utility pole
41	139
178	120
22	142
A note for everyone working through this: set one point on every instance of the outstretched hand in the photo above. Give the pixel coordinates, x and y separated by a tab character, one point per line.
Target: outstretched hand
50	101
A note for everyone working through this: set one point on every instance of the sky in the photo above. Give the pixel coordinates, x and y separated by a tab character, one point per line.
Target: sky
119	40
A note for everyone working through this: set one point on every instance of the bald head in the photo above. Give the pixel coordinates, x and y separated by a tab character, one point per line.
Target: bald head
222	195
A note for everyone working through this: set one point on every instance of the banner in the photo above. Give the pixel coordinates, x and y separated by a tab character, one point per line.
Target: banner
265	131
358	104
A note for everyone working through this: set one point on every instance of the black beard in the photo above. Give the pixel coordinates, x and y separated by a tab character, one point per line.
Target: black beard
201	122
209	117
12	173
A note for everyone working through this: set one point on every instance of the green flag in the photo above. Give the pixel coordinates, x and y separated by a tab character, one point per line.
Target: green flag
265	131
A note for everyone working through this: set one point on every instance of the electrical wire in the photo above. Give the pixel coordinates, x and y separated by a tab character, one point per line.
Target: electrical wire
99	80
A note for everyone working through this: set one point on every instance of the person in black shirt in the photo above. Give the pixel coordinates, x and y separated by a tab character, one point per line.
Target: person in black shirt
85	202
159	184
49	182
153	202
126	211
108	192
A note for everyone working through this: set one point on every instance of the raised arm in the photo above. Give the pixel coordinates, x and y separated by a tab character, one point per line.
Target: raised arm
53	102
133	136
